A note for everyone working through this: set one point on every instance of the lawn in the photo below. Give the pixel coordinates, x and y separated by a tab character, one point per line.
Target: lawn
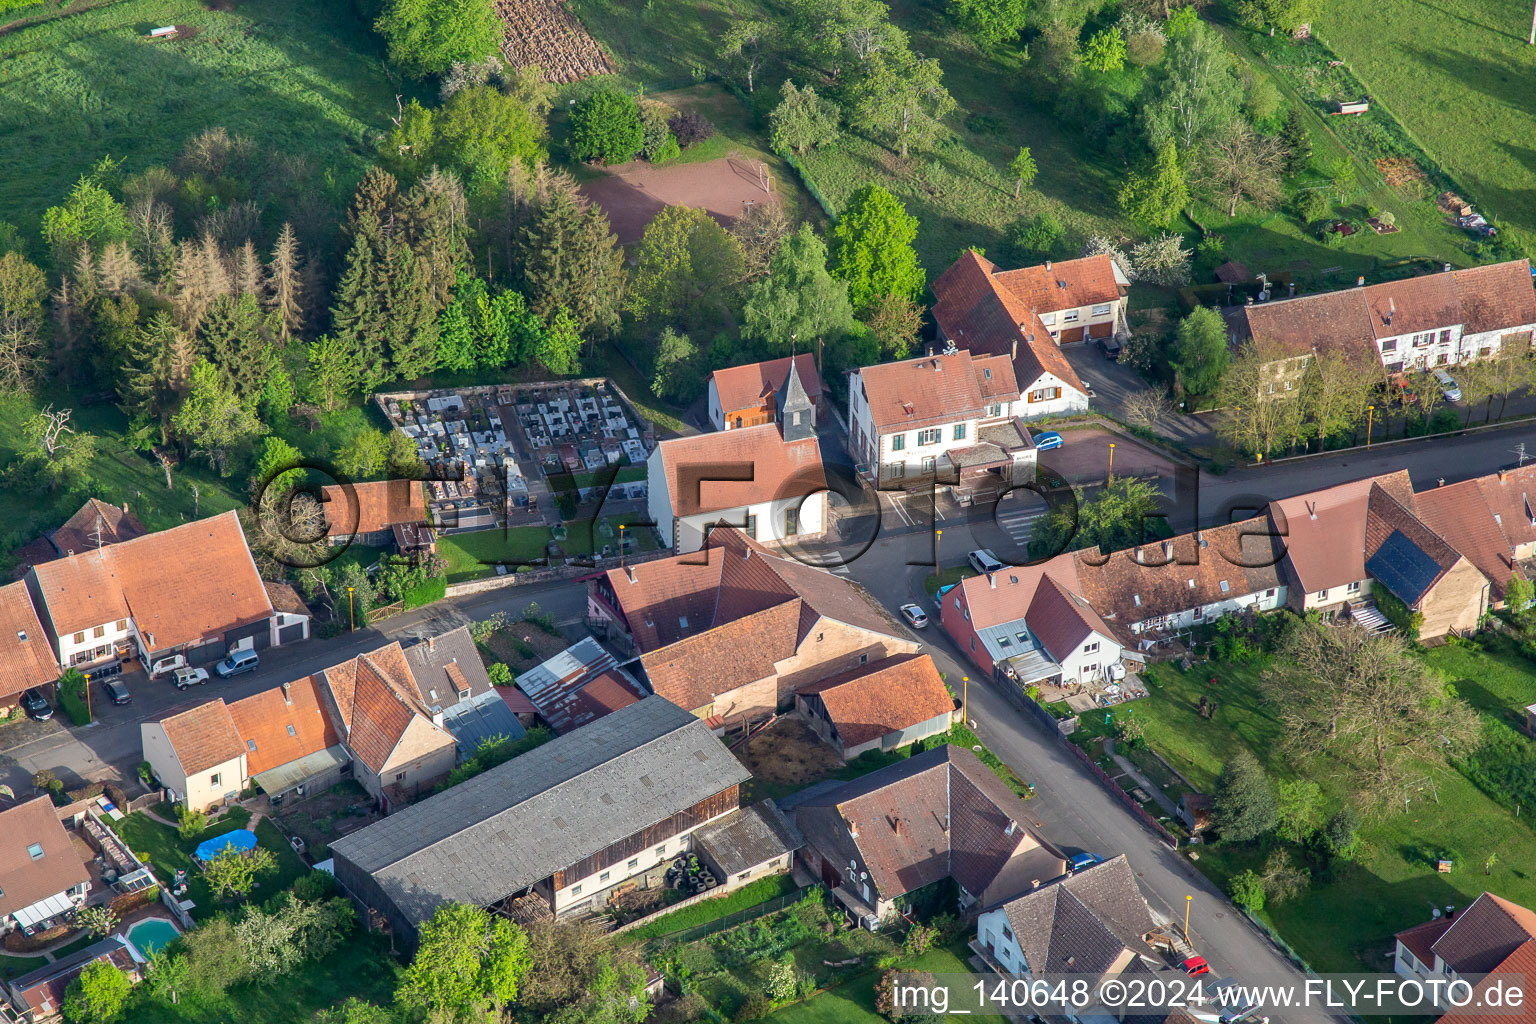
1394	882
750	895
1460	77
475	555
853	1002
361	968
16	966
301	79
162	847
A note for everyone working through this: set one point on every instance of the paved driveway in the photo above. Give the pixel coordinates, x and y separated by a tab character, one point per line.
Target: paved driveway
1113	383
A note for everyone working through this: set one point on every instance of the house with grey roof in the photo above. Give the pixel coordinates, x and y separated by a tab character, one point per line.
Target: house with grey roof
747	844
568	821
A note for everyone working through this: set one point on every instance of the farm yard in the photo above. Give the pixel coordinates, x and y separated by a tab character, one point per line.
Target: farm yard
543	33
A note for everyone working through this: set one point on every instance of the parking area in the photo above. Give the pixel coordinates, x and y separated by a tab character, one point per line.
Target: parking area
1085	458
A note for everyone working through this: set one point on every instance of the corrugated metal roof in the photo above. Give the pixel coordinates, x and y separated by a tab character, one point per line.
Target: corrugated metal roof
479	718
520	822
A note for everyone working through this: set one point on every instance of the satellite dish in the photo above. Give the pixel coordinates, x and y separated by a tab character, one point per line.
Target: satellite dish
853	865
863	875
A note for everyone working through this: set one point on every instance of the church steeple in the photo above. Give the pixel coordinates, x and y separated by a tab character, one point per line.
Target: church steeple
794	411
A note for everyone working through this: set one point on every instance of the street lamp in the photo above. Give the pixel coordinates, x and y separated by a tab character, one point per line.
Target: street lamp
965	700
1111	460
1187	901
1370	418
621	545
938	538
351	619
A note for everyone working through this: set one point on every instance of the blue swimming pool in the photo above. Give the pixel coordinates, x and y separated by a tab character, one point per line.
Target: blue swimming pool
152	934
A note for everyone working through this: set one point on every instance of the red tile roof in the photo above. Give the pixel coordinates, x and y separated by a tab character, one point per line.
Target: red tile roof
179	585
883	697
1420	939
376	699
986	310
693	466
25	657
284	723
203	736
1062	620
1386	515
931	389
1005	596
373	506
1511	496
1484	934
97	524
23	879
1518	968
752	385
1460	514
1323	532
1413	304
1496	297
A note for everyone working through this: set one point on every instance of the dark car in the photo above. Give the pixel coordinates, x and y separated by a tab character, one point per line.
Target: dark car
36	705
117	691
1111	348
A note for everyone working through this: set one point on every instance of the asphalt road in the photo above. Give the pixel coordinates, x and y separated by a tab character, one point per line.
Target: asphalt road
110	746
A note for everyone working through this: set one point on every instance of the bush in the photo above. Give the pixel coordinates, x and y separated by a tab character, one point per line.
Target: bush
1247	891
1312	206
500	674
1039	237
666	152
1444	420
606	126
1341	836
690	129
654	130
1400	615
190	822
1130	731
756	1007
71	692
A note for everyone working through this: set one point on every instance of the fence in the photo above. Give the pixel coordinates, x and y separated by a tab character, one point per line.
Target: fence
182	917
697	932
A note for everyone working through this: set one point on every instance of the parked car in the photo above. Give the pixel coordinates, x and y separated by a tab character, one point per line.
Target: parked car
1111	349
915	615
1048	439
235	663
165	666
984	561
1081	861
186	677
36	705
1195	965
117	691
1448	386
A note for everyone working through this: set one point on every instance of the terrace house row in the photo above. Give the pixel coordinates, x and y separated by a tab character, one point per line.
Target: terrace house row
1441	319
731	632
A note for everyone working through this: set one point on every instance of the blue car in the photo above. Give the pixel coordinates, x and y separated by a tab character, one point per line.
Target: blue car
1047	440
1082	861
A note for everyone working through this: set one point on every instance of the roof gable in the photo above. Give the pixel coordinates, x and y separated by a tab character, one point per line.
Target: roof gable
701	472
282	724
203	736
1485	934
751	385
24	880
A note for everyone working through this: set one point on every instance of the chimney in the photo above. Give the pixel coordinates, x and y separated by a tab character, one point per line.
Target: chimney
1250	300
431	643
125	504
1292	295
1444	266
853	830
1501	476
1360	281
1047	264
629	571
287	697
748	556
1015	348
945	824
1311	510
1439	481
1391	310
992	580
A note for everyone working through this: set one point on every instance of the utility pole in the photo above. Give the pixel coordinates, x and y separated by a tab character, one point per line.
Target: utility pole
1533	24
1187	901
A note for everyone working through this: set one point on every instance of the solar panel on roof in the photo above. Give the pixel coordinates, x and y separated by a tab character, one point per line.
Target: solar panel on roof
1403	567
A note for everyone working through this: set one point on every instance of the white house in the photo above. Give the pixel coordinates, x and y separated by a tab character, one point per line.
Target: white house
746	396
1492	935
947	418
197	754
766	480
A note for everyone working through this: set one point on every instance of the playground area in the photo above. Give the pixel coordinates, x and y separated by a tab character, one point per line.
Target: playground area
633	193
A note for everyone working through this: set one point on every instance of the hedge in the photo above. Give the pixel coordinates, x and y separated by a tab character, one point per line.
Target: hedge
71	692
426	592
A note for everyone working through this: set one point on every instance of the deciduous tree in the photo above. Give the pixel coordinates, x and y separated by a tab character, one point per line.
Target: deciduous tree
606	127
991	22
98	995
803	120
742	48
1242	166
1105	51
1200	358
212	419
1194	92
1155	194
468	964
426	37
1022	169
872	248
686	269
899	97
231	873
798	301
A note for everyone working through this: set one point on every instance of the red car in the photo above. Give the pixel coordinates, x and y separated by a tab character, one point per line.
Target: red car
1195	965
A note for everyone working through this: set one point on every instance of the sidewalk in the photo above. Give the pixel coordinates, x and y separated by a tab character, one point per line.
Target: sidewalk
1148	787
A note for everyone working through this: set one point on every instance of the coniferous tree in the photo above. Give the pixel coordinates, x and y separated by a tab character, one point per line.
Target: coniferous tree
436	214
237	337
284	285
248	276
570	259
117	271
408	315
159	363
355	309
1244	804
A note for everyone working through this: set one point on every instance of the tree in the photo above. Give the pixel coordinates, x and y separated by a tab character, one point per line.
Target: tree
606	127
760	231
803	120
52	450
1341	836
1156	194
568	258
364	454
872	248
1519	593
1298	809
1194	92
23	286
1297	141
1105	51
1242	166
285	286
468	963
798	301
900	97
1342	171
232	873
1244	802
1285	15
271	941
1266	420
1247	891
1145	408
212	418
1161	260
215	955
1335	389
167	975
690	127
559	347
1022	169
97	996
98	921
332	372
991	22
1381	714
479	133
686	267
241	341
742	47
91	216
1282	879
1200	357
1116	518
678	376
895	322
425	37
